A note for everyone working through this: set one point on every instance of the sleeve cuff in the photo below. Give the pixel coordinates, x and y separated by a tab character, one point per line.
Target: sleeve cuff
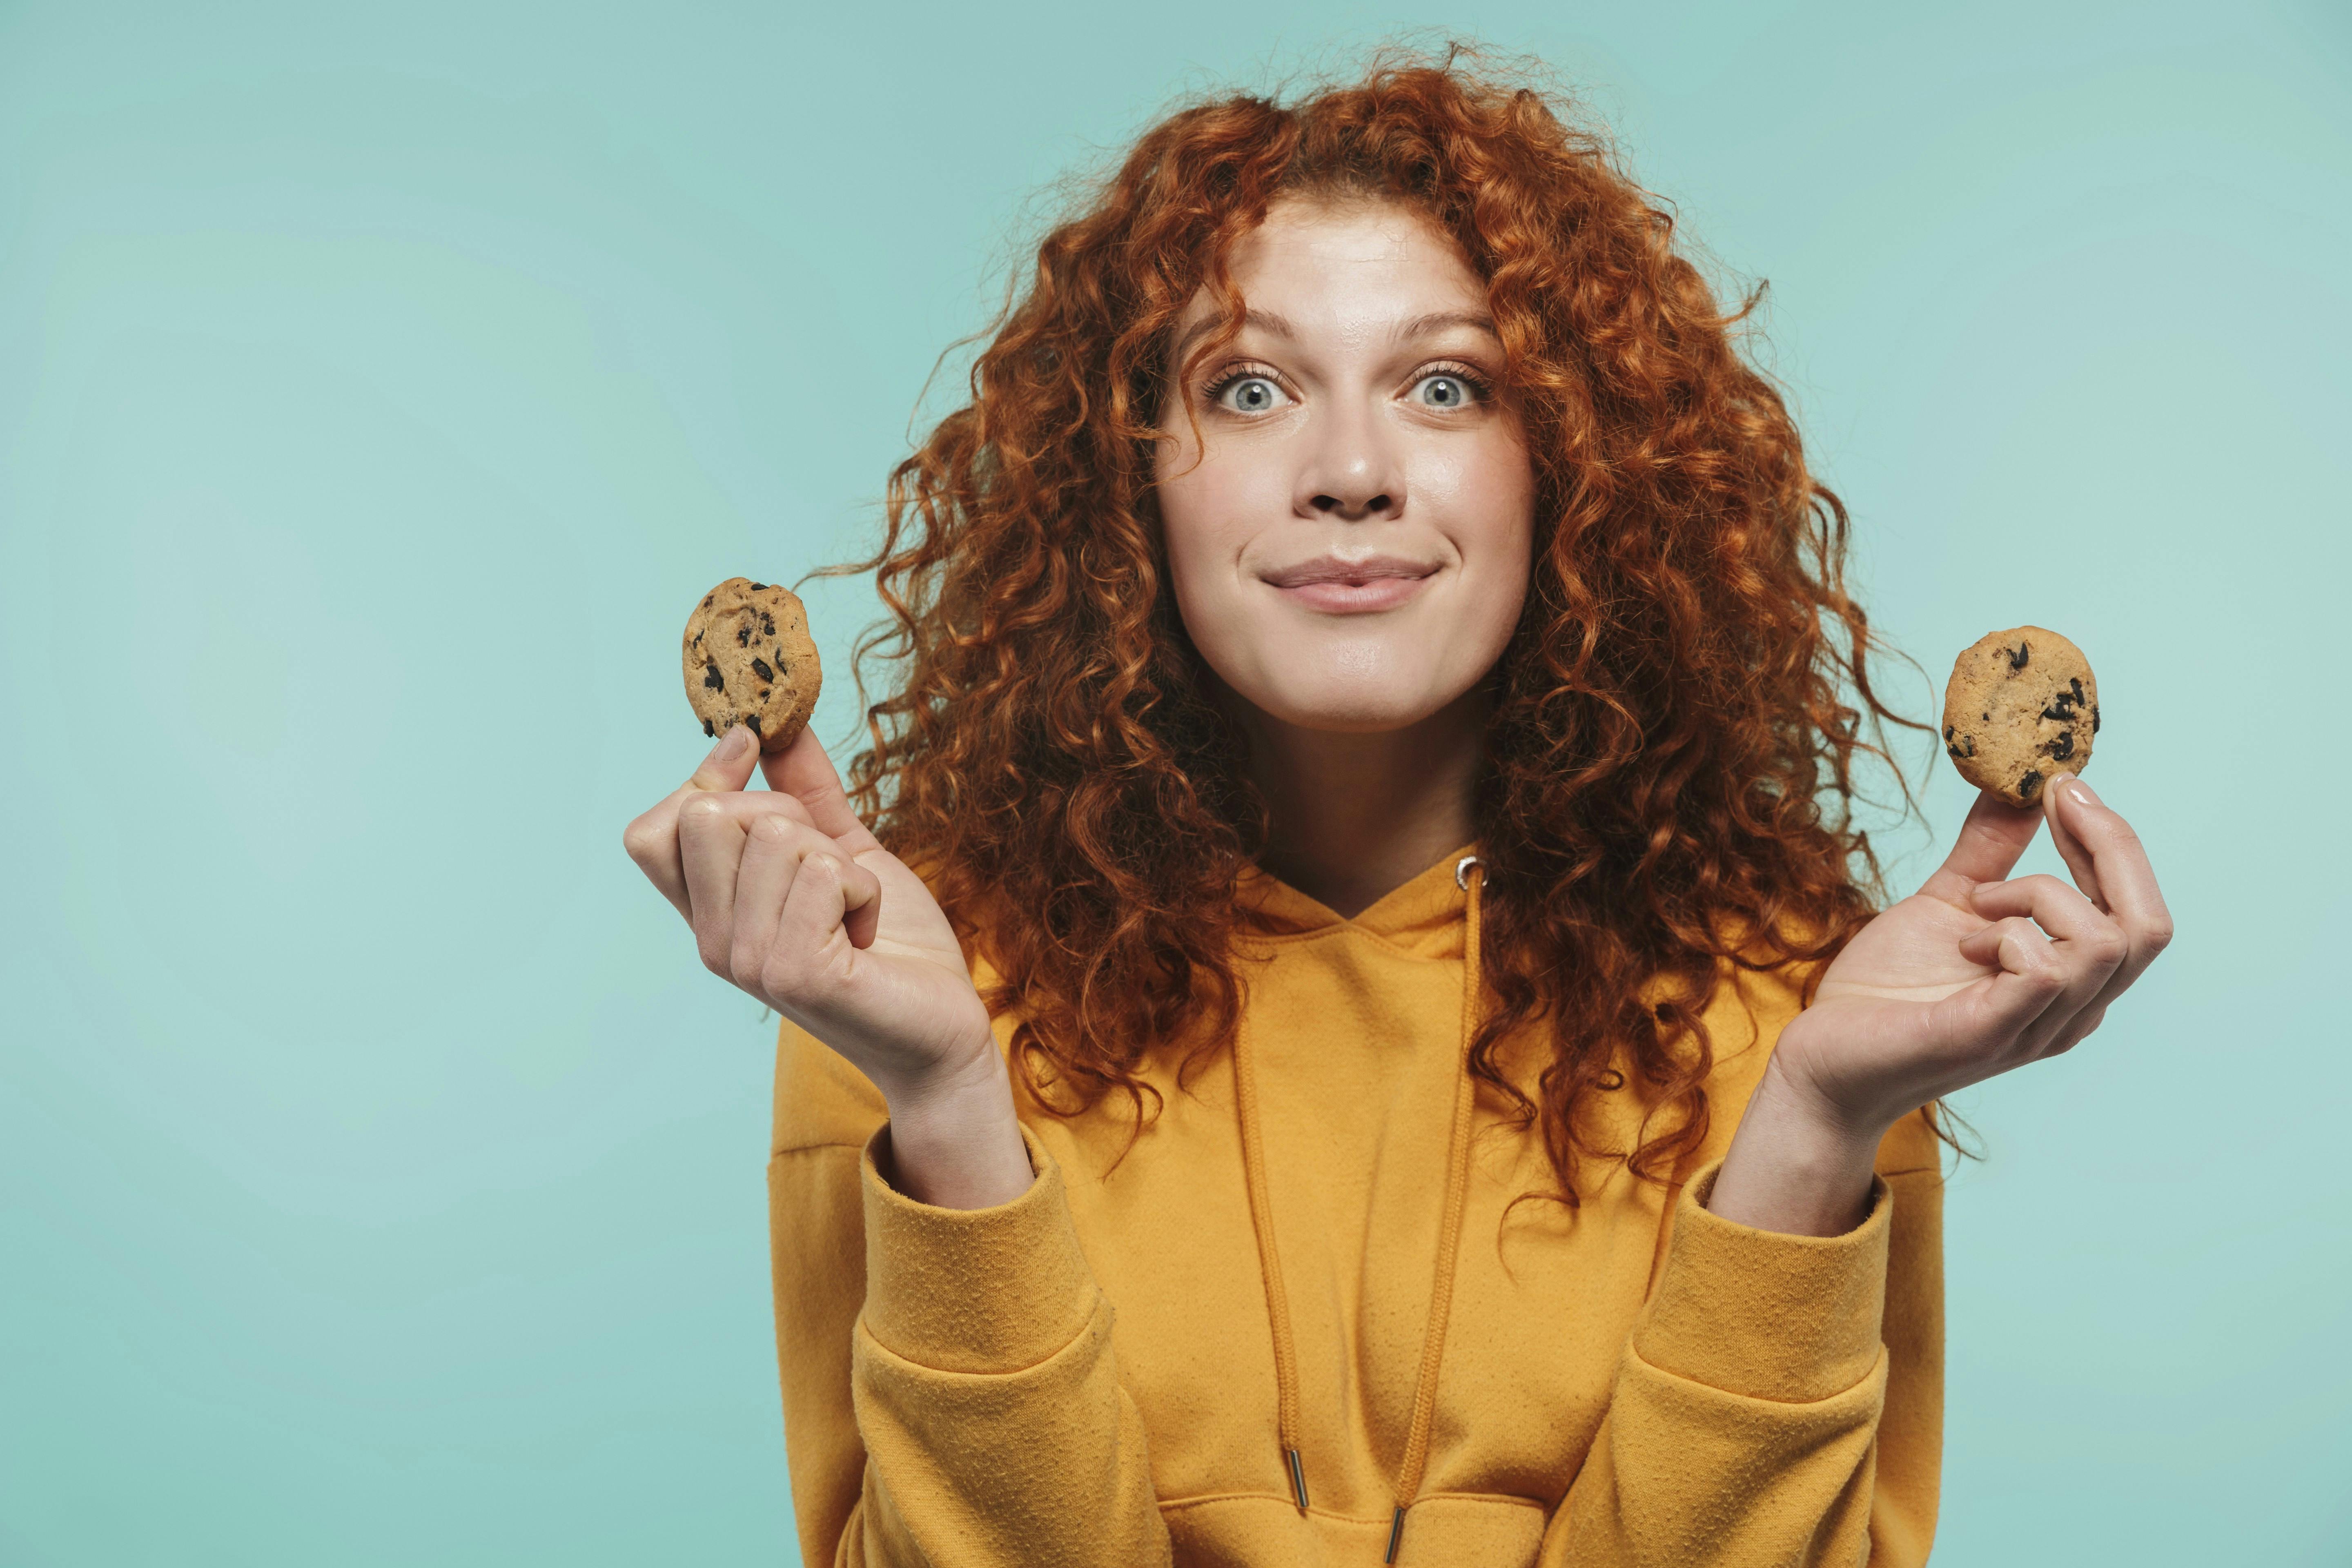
1756	1312
974	1290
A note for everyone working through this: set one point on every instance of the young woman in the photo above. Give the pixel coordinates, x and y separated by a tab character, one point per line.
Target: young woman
1353	1027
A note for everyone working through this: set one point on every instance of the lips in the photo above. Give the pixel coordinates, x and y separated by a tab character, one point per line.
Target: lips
1331	569
1351	587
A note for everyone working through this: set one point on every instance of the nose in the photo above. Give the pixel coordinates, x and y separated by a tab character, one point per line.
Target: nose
1351	472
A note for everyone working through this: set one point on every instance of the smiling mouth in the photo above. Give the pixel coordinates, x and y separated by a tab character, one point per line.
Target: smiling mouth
1350	574
1351	587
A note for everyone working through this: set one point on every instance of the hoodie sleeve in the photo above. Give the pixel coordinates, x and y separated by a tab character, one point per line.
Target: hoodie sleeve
1781	1398
983	1422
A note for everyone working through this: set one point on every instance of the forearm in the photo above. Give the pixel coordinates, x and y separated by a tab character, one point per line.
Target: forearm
986	1389
1743	1422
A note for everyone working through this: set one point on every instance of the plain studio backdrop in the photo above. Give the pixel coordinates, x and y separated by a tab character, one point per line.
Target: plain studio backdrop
381	1172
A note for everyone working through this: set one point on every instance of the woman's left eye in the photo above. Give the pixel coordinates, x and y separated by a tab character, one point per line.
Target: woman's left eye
1445	389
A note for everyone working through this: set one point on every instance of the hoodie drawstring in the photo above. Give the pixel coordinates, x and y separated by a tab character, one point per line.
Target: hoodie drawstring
1278	1305
1469	876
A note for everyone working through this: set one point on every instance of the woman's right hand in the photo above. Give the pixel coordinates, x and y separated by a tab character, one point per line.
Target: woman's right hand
794	900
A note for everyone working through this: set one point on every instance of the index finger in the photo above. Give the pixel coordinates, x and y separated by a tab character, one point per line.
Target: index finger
2124	872
2070	848
804	771
651	839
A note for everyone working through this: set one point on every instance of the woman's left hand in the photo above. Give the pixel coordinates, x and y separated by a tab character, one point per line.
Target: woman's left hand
1969	977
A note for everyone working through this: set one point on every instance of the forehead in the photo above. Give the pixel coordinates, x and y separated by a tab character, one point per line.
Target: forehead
1348	262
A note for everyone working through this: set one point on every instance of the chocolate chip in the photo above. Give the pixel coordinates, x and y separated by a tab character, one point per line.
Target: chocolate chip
2063	747
2095	718
753	721
2017	660
697	639
743	635
757	586
707	598
2077	684
2029	784
2061	707
712	679
1947	731
707	729
1986	717
760	668
767	624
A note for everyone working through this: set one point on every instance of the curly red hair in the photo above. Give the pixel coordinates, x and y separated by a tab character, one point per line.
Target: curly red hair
1671	759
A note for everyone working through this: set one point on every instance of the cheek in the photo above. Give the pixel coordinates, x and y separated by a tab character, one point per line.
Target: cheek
1209	511
1487	482
1488	496
1188	513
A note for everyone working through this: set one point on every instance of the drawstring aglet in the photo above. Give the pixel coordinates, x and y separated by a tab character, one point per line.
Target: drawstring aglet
1297	1478
1396	1533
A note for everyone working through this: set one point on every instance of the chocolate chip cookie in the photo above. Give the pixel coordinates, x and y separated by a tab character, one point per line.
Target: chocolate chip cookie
2022	704
750	660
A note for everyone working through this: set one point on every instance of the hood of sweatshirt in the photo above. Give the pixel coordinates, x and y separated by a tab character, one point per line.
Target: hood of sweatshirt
1425	917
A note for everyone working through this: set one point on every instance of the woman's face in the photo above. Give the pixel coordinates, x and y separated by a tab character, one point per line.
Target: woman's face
1350	534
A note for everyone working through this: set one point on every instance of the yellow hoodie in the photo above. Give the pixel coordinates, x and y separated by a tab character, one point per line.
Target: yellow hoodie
1290	1327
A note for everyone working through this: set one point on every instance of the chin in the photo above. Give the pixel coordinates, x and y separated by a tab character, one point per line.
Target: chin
1346	707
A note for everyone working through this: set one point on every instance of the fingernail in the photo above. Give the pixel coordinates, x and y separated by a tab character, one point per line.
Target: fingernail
731	746
2080	791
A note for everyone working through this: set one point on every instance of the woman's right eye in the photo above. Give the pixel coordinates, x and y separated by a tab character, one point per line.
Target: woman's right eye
1251	395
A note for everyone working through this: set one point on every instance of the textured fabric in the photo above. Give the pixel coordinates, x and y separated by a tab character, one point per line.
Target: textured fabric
1087	1373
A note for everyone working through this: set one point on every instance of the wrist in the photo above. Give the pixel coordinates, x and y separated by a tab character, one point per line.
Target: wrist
1799	1163
1787	1094
959	1074
954	1140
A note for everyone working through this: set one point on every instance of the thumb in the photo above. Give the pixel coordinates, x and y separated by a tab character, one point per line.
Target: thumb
728	766
1995	833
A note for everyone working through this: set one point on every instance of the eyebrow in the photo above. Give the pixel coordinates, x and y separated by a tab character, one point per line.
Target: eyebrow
1438	320
1280	327
1264	321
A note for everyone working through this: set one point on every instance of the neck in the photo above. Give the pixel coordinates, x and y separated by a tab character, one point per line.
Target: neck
1354	815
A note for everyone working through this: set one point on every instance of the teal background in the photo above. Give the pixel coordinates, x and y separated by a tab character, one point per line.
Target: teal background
380	1173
